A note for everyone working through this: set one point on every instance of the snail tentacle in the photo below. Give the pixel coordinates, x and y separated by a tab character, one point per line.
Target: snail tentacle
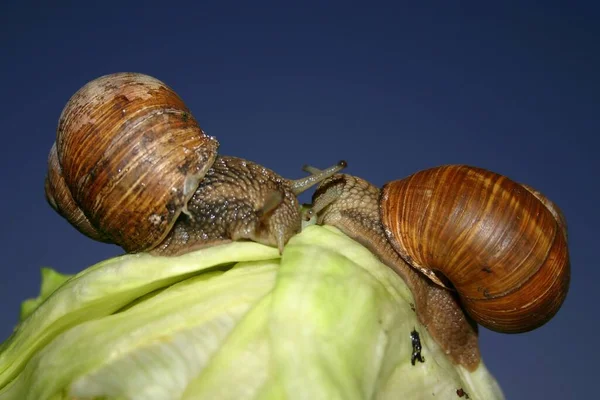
317	176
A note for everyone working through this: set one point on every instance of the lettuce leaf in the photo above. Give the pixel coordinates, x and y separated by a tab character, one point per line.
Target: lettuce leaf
51	280
325	320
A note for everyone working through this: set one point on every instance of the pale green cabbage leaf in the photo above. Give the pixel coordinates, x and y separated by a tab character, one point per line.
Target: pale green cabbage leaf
325	320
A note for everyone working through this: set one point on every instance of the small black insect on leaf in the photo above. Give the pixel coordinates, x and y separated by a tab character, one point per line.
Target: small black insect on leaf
461	393
416	347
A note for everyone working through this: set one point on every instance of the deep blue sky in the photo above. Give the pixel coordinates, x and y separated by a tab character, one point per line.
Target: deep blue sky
391	87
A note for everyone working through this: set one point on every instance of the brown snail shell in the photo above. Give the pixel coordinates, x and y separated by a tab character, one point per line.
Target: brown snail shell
111	140
502	245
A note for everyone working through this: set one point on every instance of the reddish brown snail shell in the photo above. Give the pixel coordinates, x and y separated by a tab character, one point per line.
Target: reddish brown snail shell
502	245
131	166
110	131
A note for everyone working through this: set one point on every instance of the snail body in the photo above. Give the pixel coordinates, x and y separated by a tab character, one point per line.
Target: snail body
499	246
129	164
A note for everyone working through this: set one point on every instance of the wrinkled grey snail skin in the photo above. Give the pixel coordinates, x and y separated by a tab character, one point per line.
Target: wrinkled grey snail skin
352	205
239	199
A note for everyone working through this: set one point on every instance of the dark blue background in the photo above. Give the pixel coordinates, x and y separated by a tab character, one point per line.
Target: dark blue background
391	87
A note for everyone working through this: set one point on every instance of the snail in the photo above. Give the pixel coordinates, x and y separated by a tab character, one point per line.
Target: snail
464	239
131	166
